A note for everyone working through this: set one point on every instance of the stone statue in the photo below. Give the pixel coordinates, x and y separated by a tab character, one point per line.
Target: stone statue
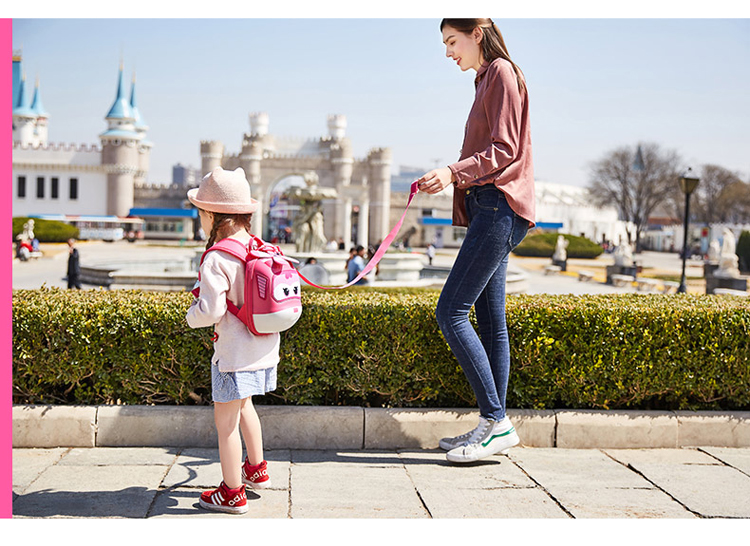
28	231
308	225
714	251
624	255
728	260
561	254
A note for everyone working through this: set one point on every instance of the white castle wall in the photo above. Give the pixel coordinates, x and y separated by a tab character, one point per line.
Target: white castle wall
61	161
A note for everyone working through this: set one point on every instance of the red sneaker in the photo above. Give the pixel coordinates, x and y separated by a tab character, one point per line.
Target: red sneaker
255	476
223	499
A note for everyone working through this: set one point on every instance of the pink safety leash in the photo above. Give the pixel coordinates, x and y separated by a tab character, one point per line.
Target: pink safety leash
381	249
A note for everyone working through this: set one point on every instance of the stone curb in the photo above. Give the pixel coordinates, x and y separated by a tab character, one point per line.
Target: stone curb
319	427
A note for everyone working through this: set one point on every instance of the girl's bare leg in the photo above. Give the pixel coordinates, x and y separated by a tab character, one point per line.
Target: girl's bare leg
251	432
227	419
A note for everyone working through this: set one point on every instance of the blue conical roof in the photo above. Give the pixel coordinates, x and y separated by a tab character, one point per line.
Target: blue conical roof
22	107
36	104
139	121
120	109
17	75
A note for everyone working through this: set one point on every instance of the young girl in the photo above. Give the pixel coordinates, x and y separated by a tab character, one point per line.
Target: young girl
493	195
243	364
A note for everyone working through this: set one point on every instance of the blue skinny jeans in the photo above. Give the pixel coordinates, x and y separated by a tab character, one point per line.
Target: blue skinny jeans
478	279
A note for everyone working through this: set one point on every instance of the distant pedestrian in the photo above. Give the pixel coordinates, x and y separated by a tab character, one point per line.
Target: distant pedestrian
494	197
243	364
430	252
74	265
356	265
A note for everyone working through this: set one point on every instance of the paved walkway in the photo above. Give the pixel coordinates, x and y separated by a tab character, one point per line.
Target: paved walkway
529	483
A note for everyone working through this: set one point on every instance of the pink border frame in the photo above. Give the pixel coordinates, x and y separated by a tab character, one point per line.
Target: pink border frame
6	320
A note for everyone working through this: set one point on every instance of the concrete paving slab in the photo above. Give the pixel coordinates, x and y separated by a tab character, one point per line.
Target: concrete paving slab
698	481
616	429
325	488
54	426
99	492
200	468
195	467
28	465
431	469
589	484
524	503
183	502
492	488
739	458
121	456
713	428
361	458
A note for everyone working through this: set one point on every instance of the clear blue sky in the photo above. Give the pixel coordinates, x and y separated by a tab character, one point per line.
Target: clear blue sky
595	84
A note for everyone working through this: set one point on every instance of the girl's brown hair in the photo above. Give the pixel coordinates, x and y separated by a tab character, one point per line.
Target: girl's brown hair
227	223
492	44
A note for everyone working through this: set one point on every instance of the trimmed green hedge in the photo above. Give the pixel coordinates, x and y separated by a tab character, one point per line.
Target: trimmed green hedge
376	348
47	231
542	245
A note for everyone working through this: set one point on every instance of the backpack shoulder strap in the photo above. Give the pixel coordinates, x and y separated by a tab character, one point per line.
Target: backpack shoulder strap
230	246
234	248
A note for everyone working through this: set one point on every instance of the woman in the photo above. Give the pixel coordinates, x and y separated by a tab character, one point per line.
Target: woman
493	195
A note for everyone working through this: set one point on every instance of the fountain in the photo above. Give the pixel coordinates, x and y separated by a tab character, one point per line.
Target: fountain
161	275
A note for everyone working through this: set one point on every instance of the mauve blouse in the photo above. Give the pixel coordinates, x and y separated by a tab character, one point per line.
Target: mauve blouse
497	143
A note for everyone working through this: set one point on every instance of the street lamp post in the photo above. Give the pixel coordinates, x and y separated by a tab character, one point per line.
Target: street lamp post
688	183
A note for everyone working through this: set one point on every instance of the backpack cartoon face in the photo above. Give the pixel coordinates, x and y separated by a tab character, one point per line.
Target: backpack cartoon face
277	303
272	301
286	287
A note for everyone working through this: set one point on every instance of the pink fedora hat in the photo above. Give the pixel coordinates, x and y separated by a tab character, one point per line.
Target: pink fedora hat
226	192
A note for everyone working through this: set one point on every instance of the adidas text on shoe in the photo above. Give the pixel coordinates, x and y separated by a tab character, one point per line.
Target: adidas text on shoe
223	499
489	438
256	476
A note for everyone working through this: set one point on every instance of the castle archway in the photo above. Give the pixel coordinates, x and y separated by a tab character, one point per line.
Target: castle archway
282	208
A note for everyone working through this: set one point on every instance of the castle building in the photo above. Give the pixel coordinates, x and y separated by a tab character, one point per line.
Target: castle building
76	180
360	211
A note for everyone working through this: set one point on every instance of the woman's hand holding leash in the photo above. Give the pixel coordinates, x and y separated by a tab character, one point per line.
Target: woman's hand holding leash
436	180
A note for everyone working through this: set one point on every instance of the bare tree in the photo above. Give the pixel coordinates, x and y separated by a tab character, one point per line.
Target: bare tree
714	200
736	198
635	181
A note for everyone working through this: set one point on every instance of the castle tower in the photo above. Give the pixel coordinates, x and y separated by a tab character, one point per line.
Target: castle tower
259	123
144	146
342	163
42	117
212	152
379	161
336	126
120	153
24	118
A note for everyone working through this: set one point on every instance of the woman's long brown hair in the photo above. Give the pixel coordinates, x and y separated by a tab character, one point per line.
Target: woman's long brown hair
492	44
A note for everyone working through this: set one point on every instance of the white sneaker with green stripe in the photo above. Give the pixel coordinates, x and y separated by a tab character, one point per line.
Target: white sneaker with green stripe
489	438
456	441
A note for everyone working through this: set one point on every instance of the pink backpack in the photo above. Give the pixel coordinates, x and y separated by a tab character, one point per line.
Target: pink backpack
272	286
